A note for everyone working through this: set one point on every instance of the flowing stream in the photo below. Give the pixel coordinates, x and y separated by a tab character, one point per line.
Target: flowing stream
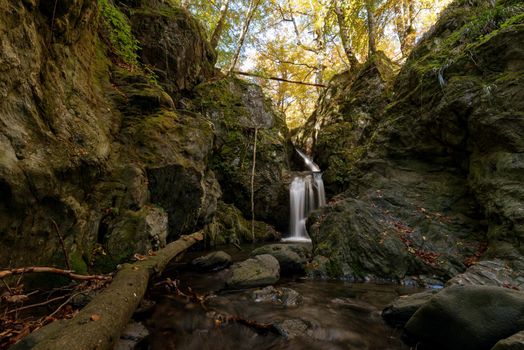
333	314
306	193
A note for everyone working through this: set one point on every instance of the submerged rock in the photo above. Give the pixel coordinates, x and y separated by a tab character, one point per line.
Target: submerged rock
258	271
133	337
213	261
280	296
291	257
293	328
400	310
468	318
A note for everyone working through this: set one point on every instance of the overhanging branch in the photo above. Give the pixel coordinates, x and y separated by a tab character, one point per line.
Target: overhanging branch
248	74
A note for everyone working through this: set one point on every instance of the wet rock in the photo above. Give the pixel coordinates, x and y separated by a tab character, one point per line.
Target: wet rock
291	257
293	328
213	261
132	337
490	273
515	342
400	310
319	267
468	318
258	271
280	296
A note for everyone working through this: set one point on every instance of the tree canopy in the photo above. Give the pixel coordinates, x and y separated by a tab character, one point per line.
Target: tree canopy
308	41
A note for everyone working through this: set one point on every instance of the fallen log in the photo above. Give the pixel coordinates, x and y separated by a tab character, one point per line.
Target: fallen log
99	324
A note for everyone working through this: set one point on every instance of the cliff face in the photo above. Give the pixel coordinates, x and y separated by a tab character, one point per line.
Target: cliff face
106	142
436	177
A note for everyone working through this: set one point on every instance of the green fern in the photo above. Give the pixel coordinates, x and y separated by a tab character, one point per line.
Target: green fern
122	40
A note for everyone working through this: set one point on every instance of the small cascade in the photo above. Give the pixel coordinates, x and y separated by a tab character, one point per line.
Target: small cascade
306	194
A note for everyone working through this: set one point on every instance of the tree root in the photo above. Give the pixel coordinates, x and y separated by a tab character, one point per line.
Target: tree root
68	273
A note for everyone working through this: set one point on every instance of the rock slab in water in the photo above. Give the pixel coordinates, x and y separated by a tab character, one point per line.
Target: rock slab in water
258	271
515	342
290	329
213	261
468	318
291	257
492	273
399	312
281	296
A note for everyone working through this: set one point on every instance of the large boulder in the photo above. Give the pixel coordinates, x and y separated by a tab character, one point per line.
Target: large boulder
291	257
230	226
212	261
258	271
468	317
515	342
400	310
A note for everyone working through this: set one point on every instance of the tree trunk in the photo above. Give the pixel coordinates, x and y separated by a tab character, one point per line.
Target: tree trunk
253	185
404	18
245	28
370	9
343	30
217	33
100	323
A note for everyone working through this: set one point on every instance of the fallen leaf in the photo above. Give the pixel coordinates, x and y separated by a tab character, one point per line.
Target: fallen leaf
95	317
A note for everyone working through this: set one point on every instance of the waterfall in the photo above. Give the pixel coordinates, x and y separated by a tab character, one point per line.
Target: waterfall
306	194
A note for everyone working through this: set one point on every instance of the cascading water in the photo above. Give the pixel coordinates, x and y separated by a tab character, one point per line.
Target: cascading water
306	194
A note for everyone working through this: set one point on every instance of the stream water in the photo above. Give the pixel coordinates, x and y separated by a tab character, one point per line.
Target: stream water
333	314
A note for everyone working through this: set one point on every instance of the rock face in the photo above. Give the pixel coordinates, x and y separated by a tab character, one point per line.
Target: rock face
468	317
173	44
109	147
431	167
237	109
258	271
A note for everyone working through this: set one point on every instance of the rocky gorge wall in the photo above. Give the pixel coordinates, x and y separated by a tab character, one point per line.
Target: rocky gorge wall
117	134
428	167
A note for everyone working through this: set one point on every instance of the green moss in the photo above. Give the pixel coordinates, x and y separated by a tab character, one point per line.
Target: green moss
120	36
78	263
476	25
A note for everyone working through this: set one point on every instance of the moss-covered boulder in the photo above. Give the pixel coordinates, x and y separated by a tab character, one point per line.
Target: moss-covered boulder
230	226
258	271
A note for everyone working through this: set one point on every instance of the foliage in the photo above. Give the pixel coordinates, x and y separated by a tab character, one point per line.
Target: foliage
121	38
309	40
